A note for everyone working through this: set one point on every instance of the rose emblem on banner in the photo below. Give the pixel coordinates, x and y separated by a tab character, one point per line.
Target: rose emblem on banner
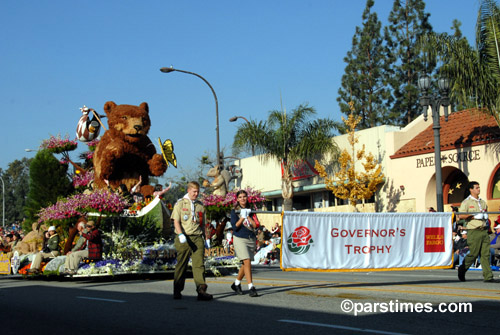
300	240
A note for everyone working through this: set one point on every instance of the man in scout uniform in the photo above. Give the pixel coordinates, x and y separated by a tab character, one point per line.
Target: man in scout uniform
478	239
189	215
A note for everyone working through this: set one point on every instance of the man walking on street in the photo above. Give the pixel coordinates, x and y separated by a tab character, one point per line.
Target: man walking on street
478	240
189	217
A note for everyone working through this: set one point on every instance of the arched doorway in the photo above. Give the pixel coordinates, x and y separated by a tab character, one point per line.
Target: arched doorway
494	184
455	187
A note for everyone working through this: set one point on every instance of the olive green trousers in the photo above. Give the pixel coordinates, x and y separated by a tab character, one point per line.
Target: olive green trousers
479	243
194	247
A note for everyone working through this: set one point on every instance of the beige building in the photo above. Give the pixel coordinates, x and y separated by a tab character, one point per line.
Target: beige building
469	152
469	149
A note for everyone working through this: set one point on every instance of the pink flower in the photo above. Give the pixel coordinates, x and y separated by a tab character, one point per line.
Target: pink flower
58	144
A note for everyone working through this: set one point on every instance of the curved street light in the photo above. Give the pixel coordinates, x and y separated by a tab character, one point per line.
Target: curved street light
435	101
234	118
220	161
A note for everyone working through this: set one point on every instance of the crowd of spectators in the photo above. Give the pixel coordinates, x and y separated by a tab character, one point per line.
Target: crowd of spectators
10	236
88	244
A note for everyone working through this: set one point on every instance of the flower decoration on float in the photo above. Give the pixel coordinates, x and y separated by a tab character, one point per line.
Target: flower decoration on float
93	144
82	180
57	144
62	210
89	155
137	206
102	202
217	206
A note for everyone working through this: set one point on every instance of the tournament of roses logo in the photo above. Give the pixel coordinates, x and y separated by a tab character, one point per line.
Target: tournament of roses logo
300	240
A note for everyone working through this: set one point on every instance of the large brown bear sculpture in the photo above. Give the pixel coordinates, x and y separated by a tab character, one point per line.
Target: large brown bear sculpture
125	152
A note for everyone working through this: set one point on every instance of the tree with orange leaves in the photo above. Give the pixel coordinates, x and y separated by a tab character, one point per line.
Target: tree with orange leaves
348	183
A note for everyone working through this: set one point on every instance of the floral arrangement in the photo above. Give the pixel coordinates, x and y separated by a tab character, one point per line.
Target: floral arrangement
217	206
255	198
87	155
83	179
108	266
59	145
150	265
93	144
122	246
100	201
127	255
61	210
137	206
24	270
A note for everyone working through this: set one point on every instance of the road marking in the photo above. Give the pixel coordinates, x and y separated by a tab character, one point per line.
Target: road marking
371	284
488	297
345	285
101	299
372	287
363	330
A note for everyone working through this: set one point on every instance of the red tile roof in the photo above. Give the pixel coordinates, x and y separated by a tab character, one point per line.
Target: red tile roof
465	128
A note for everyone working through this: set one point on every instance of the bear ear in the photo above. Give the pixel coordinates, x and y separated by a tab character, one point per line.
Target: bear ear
108	106
145	106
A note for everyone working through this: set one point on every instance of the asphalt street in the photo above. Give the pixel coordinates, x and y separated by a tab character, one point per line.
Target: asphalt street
390	302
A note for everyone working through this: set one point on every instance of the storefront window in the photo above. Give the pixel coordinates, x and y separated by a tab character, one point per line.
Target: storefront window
279	204
318	200
301	202
331	200
370	200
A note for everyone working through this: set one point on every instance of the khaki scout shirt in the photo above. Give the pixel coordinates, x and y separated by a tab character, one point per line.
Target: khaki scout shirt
182	213
472	205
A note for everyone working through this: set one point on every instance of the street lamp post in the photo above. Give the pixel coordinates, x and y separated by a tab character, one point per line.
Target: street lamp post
234	118
435	101
220	161
3	203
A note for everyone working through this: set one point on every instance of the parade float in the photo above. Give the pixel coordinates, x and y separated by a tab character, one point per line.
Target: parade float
137	233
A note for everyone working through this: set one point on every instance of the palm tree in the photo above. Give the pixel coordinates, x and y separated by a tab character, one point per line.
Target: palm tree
475	72
287	138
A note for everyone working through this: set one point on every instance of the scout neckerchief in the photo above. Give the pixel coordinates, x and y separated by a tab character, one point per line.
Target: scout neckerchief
193	214
478	202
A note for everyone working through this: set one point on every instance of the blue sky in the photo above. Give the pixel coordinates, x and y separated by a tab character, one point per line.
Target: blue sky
57	56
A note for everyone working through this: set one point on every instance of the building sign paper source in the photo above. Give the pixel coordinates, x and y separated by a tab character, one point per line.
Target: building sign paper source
450	158
366	241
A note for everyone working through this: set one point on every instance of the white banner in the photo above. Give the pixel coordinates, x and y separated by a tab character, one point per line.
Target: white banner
366	241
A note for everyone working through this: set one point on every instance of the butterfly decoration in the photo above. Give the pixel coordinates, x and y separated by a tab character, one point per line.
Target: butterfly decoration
167	150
